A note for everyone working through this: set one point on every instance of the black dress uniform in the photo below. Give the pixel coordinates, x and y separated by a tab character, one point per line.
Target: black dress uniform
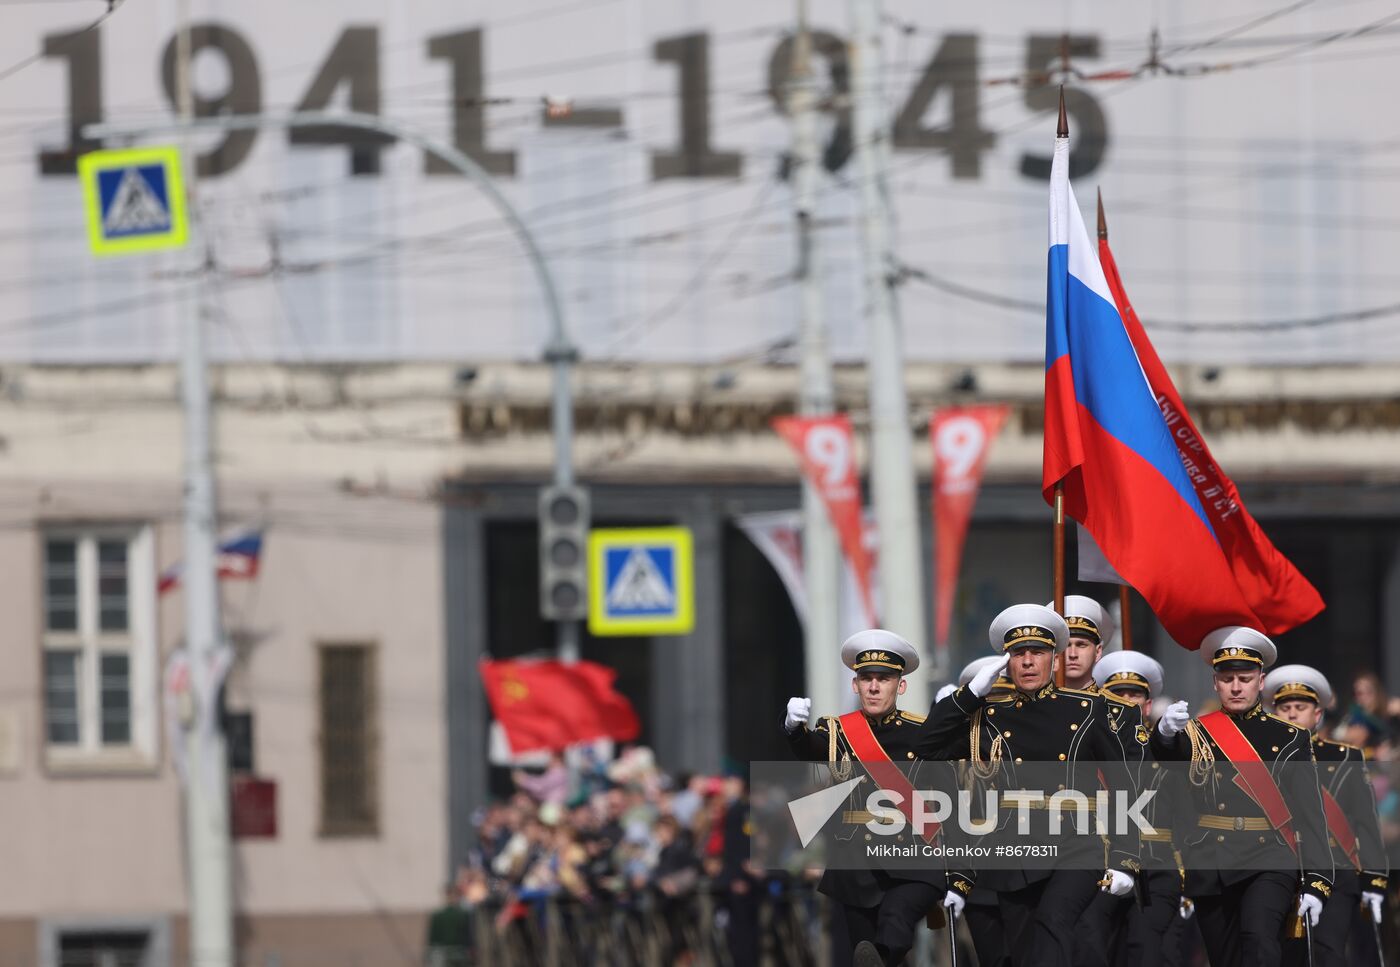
1358	852
982	913
884	901
1240	870
1137	930
1040	907
881	905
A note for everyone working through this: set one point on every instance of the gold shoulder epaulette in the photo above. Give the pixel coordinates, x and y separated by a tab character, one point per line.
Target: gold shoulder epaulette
1077	691
912	717
1000	698
1291	726
1112	699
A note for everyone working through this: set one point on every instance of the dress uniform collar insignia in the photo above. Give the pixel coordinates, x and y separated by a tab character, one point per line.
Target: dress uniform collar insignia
886	720
1045	692
1254	712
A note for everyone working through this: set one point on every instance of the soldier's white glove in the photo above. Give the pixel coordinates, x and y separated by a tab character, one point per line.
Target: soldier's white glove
1174	719
1187	908
983	681
798	711
1309	907
1374	902
1119	883
953	902
944	692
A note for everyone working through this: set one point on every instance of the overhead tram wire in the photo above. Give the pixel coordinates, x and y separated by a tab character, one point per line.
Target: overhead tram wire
997	300
112	7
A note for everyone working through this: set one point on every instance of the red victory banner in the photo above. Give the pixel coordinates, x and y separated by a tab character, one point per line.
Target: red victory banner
825	446
961	437
552	705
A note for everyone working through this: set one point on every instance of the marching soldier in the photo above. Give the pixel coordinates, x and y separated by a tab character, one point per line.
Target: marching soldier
1141	929
1299	694
882	906
1035	722
1259	820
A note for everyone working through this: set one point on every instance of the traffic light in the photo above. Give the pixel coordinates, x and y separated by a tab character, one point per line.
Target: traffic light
563	545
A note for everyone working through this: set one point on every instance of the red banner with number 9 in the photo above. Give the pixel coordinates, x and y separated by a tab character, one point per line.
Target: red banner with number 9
961	437
825	446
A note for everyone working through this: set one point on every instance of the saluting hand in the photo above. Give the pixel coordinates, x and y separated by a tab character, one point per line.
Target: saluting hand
983	681
1174	719
798	711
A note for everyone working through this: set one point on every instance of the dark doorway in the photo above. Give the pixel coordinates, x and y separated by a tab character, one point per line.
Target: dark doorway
763	661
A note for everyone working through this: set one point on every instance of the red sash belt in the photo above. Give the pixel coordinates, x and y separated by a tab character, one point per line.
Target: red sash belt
881	767
1251	773
1341	829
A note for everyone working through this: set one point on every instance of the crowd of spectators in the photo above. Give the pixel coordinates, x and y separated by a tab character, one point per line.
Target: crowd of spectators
599	836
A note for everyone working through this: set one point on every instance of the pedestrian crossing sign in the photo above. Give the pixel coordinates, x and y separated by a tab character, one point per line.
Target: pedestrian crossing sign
134	200
641	581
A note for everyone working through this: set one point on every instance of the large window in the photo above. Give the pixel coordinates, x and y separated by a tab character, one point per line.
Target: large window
99	661
349	741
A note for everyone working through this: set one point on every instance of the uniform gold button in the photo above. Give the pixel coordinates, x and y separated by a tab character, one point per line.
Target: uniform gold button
911	755
1007	733
1331	768
867	837
1018	758
1156	765
1062	787
1062	757
1275	748
1220	806
1073	726
991	711
1019	704
1084	703
1218	839
1290	731
1261	839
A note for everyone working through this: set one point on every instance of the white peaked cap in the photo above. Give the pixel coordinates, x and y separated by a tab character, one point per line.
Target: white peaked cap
1238	643
1085	615
1129	668
1296	681
1023	624
878	648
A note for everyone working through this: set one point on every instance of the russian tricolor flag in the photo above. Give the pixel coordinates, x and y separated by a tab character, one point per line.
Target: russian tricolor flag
1106	439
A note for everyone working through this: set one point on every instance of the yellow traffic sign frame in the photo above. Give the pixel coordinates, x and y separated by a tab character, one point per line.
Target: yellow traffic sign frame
167	157
681	544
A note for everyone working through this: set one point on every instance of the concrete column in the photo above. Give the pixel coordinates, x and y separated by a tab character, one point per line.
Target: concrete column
464	633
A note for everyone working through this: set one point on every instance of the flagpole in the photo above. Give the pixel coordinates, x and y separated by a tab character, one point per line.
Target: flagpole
1125	593
1058	543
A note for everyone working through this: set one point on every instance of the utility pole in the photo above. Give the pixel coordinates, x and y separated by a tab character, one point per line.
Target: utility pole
902	587
206	781
821	557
